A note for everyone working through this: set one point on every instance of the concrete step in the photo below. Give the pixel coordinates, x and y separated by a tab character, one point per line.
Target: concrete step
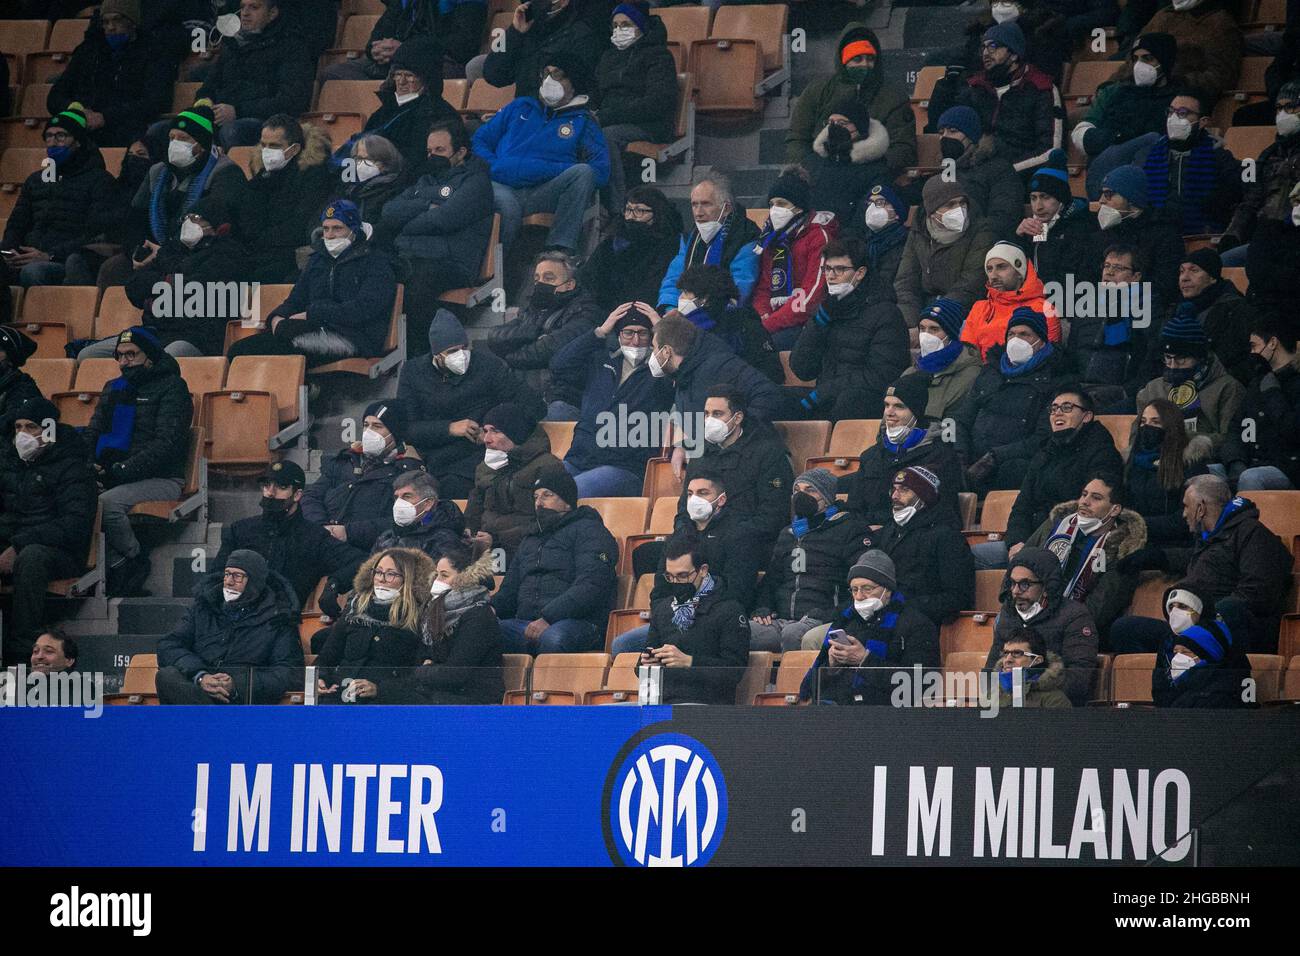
109	654
151	615
771	146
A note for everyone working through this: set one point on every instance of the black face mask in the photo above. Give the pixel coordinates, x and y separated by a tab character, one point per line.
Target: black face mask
803	505
1177	376
548	519
436	166
951	148
1258	365
275	509
544	298
1150	437
637	231
839	141
135	167
999	75
682	592
134	374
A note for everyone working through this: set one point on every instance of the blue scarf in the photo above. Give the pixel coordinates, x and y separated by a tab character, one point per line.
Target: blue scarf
122	425
941	359
1230	509
910	440
887	619
684	614
801	526
1005	677
1198	180
1037	359
1146	460
782	285
157	201
891	237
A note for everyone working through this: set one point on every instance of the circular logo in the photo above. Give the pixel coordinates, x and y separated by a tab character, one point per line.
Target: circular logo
444	192
566	131
1183	395
668	805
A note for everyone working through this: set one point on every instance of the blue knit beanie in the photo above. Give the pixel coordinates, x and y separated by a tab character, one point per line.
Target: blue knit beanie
887	193
1008	35
345	211
963	119
1035	321
1183	334
949	313
1053	178
1130	182
634	12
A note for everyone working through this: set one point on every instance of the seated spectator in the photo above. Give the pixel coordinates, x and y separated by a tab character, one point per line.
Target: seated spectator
1092	537
47	511
353	497
1273	258
1003	420
1033	599
1198	664
369	652
1126	216
120	75
1017	102
856	343
1160	462
1272	404
1059	235
1190	175
697	630
558	591
789	286
455	25
1238	563
1223	312
923	544
500	512
1044	673
262	71
534	37
802	587
54	217
708	297
292	546
1102	348
629	263
944	255
1077	447
1129	110
548	155
1051	28
558	311
949	363
635	89
16	386
907	438
290	186
990	181
1269	200
859	79
238	642
1209	45
847	159
317	23
885	214
722	235
422	520
610	382
123	229
452	388
378	173
1195	381
460	634
341	305
53	653
138	441
878	630
1012	285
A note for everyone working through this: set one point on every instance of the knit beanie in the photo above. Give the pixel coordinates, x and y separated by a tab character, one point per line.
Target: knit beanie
1207	260
197	122
1008	252
392	413
345	211
793	187
949	313
144	339
875	565
253	565
823	480
936	193
890	196
921	481
1162	46
638	13
1183	335
72	120
445	331
1008	35
1053	178
964	120
858	42
215	211
37	410
913	391
129	9
1130	182
1027	317
16	346
423	57
512	420
555	479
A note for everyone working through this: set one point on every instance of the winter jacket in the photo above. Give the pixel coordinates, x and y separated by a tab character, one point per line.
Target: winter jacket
711	362
463	666
1201	182
1272	402
535	336
1122	111
726	544
1268	198
1209	46
1068	249
351	295
1065	627
842	183
254	640
853	348
986	323
993	186
129	88
806	573
1159	244
950	385
884	101
60	217
804	271
1043	687
898	634
1161	508
933	564
528	144
1227	317
929	269
717	643
1027	120
457	25
626	268
523	56
732	248
563	573
1047	42
407	126
302	551
1214	408
1272	261
438	398
739	327
224	181
1208	683
434	534
638	86
356	491
1113	585
262	75
1058	472
16	386
371	198
502	500
756	473
160	408
447	219
50	500
869	486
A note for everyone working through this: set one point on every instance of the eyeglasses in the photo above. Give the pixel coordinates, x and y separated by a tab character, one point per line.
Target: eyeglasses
838	270
1182	112
864	590
683	578
1064	408
58	137
1024	584
1114	268
1291	108
1018	655
235	577
127	356
634	335
990	46
380	575
638	213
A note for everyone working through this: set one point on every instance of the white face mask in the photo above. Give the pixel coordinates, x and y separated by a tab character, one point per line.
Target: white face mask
1288	124
274	160
229	24
457	363
716	430
191	233
1030	612
1144	74
709	230
635	354
1181	5
780	217
903	515
551	91
839	289
624	37
896	433
336	247
686	306
386	595
26	445
1108	217
868	608
930	343
656	369
373	443
180	155
404	513
698	508
1019	351
1180	664
366	170
1178	128
404	98
231	595
1002	12
496	460
954	219
877	217
439	587
1180	620
1089	525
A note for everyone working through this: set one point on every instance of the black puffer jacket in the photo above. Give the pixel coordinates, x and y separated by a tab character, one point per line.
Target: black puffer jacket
1058	472
458	30
756	472
564	573
897	634
160	438
60	217
993	185
1272	402
1027	119
254	640
463	666
639	85
372	196
740	328
729	551
447	219
712	362
933	564
1068	248
442	528
356	491
1159	243
266	74
50	500
407	126
1160	507
717	643
525	54
300	550
853	348
805	576
630	267
534	337
842	183
869	486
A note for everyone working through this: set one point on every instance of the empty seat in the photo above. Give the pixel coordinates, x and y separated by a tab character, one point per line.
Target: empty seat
1291	682
183	96
491	275
1247	142
348	96
454	92
804	440
394	350
622	516
515	669
764	23
620	683
1250	78
926	78
1085	77
659	480
262	393
77	405
789	675
1148	598
1266	670
17	164
242	156
562	679
65	35
987	585
35	96
726	73
116	313
51	374
72	305
790	378
484	98
963	665
1237	276
1279	511
849	439
138	685
45	67
1120	427
969	631
660	526
997	509
929	155
1130	680
202	374
755	677
683	24
352	8
624	619
25	36
561	436
356	32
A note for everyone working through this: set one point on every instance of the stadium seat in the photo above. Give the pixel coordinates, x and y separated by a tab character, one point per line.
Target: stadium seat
1120	428
754	680
1148	599
454	93
35	96
969	631
640	596
194	494
484	99
965	663
926	78
348	96
183	96
356	32
515	670
77	405
790	377
244	420
764	23
71	305
1266	670
1237	276
987	586
789	675
44	67
562	679
17	164
929	157
622	516
352	8
1291	683
621	683
804	440
683	143
394	348
685	24
51	338
849	439
1266	16
1288	640
52	375
1101	682
202	374
1251	76
993	517
1247	142
659	480
138	683
66	35
491	276
116	313
659	527
624	619
1083	80
1130	681
726	73
1279	511
25	36
967	505
560	435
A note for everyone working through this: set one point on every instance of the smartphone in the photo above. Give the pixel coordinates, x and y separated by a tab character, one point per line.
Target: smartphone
141	253
8	253
839	637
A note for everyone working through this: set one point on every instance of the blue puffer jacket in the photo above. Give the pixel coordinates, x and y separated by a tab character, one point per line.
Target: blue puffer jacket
447	218
527	144
351	295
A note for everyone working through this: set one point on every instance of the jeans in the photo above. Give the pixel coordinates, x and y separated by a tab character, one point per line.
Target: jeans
1264	478
616	138
563	637
35	567
105	348
1236	257
1121	154
558	411
41	273
990	555
117	503
605	481
783	634
633	641
567	195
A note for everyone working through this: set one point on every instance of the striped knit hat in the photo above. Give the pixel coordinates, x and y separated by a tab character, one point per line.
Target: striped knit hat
1183	335
71	120
198	122
1052	178
949	313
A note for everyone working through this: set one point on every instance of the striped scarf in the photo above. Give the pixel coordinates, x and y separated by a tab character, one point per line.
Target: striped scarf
684	614
1198	180
782	282
158	200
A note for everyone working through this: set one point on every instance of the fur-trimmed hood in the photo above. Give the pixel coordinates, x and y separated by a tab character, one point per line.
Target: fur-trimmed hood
316	149
1052	677
478	574
872	147
1128	535
363	579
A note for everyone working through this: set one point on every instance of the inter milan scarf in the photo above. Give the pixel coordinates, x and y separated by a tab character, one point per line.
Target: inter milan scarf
940	359
801	526
122	425
1187	395
885	621
1061	543
1035	360
684	614
157	201
910	440
778	242
1231	508
1197	181
891	237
